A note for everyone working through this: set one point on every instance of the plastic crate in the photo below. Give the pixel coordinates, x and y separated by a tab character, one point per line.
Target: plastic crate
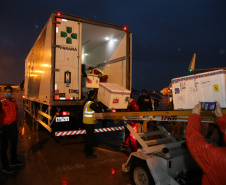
203	87
93	81
113	95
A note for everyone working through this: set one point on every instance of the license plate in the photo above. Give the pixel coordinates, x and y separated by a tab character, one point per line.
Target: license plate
62	119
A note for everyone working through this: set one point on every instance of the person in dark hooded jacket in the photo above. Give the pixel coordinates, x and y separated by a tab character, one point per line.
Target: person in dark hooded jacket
145	104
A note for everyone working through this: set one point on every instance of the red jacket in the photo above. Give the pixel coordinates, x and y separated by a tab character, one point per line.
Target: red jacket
132	107
97	71
212	160
8	114
222	124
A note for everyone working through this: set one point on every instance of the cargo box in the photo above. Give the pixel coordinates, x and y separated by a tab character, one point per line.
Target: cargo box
93	81
203	87
113	95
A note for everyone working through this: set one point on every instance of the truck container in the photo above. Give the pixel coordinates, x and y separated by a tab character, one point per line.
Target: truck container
53	90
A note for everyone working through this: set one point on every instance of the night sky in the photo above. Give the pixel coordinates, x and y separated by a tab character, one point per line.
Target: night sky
166	34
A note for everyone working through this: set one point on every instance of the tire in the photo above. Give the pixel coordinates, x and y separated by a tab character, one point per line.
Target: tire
140	174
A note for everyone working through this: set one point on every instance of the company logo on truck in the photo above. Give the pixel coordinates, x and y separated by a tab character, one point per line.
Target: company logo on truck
67	48
68	35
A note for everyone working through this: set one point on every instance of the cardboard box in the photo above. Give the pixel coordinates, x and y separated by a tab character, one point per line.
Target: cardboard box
203	87
113	95
93	82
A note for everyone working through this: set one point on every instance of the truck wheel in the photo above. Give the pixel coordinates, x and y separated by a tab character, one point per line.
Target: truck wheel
140	174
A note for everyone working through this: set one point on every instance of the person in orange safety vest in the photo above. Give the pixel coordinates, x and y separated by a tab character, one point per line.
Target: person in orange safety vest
8	122
211	159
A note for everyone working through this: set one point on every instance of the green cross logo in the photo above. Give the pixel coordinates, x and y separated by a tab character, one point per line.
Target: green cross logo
69	35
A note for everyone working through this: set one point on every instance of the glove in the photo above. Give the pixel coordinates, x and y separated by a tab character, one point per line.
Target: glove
128	99
87	79
219	114
111	109
218	111
197	109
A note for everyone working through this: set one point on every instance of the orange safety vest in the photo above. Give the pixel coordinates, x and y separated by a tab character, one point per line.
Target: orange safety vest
8	114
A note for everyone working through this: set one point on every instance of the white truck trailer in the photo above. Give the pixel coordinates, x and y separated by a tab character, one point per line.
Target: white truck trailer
52	87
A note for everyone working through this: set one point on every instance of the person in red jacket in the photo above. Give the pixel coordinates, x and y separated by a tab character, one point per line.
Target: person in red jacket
211	159
101	74
130	140
8	122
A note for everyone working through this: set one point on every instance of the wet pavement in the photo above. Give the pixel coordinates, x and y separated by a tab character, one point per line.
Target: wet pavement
51	161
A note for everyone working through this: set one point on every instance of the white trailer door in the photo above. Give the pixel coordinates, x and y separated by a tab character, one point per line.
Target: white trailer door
67	60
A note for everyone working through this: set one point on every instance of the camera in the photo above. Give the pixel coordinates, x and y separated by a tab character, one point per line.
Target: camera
208	106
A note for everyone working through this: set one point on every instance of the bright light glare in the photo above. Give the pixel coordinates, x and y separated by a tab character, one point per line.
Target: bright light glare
112	171
23	131
45	65
64	113
65	181
37	71
107	38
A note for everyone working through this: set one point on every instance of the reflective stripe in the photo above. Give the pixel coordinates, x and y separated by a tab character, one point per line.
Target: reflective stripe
88	116
86	111
89	112
3	100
